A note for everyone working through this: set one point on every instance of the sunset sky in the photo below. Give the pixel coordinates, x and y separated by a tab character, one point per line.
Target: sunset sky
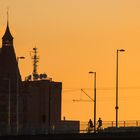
74	37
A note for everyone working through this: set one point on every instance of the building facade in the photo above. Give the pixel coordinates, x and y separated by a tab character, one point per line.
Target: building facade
41	106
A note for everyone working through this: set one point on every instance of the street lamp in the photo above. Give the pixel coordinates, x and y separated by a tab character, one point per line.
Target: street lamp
18	58
94	99
117	107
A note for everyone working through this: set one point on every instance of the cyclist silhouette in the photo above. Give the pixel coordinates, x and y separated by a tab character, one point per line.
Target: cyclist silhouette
90	125
99	124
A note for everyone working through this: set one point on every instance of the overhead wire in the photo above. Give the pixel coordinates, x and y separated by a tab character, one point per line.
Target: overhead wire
106	98
102	88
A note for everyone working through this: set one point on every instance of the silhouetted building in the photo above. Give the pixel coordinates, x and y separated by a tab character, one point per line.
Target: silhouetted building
28	107
9	75
42	105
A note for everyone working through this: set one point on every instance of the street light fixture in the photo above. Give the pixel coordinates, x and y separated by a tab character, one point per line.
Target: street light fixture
91	72
117	107
18	58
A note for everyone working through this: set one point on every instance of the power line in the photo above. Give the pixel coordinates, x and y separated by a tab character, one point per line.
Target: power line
102	88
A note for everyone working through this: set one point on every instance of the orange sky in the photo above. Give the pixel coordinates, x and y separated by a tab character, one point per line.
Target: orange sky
74	37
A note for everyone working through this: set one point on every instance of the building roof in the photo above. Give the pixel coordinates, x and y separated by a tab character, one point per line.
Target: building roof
8	61
7	35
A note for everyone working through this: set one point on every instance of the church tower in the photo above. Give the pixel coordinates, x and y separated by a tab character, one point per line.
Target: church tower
10	82
8	63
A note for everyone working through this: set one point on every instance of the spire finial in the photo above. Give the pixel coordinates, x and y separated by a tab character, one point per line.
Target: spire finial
7	34
7	15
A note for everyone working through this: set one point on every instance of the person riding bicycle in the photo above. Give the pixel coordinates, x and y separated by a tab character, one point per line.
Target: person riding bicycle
99	124
90	125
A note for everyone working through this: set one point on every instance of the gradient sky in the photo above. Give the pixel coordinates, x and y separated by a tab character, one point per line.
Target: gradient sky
74	37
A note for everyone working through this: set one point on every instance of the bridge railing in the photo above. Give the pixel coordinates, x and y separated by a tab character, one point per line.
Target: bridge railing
106	124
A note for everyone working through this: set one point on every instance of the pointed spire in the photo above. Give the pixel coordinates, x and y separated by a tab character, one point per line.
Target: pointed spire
7	35
8	16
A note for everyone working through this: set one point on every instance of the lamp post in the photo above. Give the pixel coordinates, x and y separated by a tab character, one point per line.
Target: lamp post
94	99
117	107
17	97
